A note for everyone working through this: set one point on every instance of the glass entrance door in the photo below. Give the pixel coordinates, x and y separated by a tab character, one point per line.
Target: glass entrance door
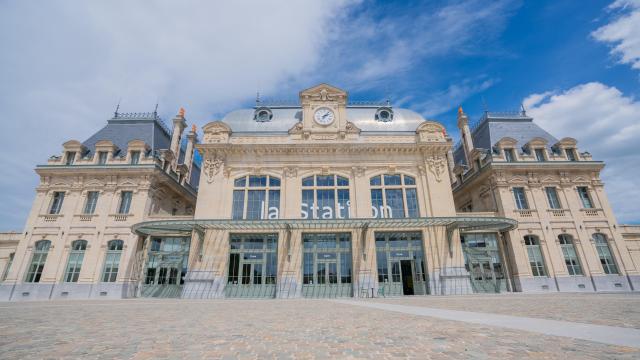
166	267
326	265
400	264
482	260
252	268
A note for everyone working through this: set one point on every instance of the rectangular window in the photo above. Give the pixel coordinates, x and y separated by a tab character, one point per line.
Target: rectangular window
56	203
238	204
102	157
90	204
125	202
395	203
377	206
521	198
73	266
6	269
509	155
571	154
255	204
70	158
274	204
308	205
326	203
583	192
552	197
112	262
135	157
540	154
412	202
343	203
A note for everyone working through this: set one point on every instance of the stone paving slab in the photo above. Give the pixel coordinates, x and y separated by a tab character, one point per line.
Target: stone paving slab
621	309
250	329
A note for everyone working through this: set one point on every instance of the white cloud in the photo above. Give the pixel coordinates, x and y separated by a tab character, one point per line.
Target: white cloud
623	33
65	64
605	123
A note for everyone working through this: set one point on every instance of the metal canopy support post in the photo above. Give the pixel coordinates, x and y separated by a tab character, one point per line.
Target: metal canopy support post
363	240
288	241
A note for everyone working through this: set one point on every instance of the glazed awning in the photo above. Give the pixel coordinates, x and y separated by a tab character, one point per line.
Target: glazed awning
463	223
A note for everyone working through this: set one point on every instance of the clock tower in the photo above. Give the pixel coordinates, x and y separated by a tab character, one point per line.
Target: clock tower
324	114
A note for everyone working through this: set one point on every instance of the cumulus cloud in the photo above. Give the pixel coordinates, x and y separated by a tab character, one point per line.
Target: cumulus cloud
65	65
623	33
605	123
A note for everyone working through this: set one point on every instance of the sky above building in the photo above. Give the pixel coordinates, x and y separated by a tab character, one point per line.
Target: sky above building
64	65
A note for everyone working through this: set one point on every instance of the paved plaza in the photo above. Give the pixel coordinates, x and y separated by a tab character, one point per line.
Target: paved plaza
489	326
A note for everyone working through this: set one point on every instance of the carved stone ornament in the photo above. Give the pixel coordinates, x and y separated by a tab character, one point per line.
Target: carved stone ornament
358	171
437	165
212	167
290	172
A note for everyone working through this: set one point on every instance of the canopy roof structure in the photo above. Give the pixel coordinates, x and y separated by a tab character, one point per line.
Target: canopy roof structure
185	227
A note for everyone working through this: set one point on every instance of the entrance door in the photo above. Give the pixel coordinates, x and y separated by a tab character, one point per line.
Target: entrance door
166	267
482	276
406	267
326	265
252	266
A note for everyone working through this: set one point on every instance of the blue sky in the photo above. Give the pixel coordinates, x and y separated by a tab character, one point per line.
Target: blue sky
575	65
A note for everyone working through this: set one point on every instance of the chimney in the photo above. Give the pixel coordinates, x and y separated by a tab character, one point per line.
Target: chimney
192	138
467	141
179	124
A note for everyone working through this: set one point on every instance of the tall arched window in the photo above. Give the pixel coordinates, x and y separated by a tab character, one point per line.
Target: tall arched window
394	196
75	260
535	255
570	255
604	253
256	197
8	267
112	260
325	197
41	249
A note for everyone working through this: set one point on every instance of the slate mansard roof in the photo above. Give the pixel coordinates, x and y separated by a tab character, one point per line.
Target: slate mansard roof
148	127
493	127
285	117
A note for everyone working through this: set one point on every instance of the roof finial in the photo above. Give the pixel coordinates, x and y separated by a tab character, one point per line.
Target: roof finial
460	111
524	112
258	98
193	128
155	110
484	106
115	114
181	112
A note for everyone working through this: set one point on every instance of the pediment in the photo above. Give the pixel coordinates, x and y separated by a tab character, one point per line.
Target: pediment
507	141
137	144
518	180
323	92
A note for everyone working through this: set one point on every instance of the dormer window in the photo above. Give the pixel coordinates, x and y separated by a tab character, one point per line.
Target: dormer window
384	114
135	157
102	157
70	158
509	155
571	154
262	114
540	155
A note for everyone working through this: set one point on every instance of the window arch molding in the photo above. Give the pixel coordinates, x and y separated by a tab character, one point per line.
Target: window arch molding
395	194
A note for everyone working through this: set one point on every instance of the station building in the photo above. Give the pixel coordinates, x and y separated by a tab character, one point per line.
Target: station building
321	198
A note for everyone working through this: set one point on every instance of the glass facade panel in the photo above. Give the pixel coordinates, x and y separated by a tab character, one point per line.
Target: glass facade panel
397	197
400	263
166	268
326	265
327	199
254	200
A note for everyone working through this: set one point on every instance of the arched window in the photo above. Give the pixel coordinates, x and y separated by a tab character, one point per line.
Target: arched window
394	196
256	197
75	260
112	260
604	253
325	197
570	255
38	260
535	255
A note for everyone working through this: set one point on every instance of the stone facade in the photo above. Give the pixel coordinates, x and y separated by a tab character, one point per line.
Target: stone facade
317	199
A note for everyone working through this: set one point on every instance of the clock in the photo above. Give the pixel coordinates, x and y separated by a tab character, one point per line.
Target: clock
324	116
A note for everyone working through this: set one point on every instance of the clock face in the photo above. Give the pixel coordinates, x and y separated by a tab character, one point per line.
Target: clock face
324	116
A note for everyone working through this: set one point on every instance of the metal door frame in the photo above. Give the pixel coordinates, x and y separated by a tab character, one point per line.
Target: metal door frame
313	287
413	253
250	289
